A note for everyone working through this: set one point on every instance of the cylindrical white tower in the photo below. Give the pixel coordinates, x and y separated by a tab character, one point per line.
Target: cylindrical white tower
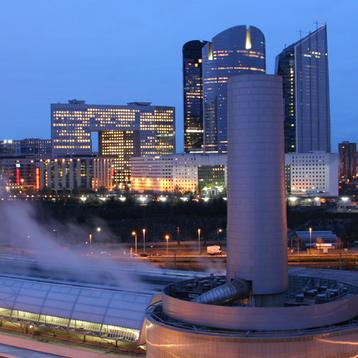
257	229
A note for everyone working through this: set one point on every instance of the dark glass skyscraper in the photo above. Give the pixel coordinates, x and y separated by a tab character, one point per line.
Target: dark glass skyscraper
193	95
304	70
347	161
238	50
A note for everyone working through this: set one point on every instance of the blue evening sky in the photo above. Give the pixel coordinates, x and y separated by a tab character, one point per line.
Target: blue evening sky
117	51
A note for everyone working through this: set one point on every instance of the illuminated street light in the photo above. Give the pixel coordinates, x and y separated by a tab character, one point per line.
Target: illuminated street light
90	239
99	229
167	237
134	234
310	231
162	198
199	243
142	199
292	199
218	233
143	232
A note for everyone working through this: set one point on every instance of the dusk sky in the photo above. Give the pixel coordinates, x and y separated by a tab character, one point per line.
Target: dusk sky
116	51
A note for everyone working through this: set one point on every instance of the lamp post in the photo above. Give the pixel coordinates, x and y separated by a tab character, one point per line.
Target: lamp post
199	243
90	239
134	234
310	231
143	232
167	237
218	234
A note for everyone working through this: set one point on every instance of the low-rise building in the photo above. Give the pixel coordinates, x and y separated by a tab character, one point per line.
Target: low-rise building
67	174
59	174
313	173
19	173
179	173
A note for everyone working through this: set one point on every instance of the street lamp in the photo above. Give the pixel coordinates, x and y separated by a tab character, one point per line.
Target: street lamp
99	229
167	237
218	233
90	239
310	231
199	243
134	234
143	232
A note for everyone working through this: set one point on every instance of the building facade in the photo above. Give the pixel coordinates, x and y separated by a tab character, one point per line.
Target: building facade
9	148
181	173
137	128
66	174
103	174
153	174
36	148
20	174
237	50
313	173
347	161
303	67
193	96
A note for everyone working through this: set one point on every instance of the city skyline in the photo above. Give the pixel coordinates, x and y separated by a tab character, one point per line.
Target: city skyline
41	71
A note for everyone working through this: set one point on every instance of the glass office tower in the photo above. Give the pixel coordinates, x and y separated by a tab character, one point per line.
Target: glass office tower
238	50
193	96
304	70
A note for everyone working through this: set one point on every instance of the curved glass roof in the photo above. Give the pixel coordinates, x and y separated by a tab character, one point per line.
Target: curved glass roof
106	307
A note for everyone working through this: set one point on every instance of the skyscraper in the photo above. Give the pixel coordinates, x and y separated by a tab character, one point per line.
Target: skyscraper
137	128
347	161
193	95
304	70
238	50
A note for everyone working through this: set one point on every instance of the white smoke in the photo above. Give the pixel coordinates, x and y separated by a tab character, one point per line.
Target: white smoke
55	258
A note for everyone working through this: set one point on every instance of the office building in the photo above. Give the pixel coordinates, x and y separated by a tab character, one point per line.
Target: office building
347	161
313	173
237	50
103	174
9	148
303	67
36	148
19	173
193	96
137	128
66	174
181	173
